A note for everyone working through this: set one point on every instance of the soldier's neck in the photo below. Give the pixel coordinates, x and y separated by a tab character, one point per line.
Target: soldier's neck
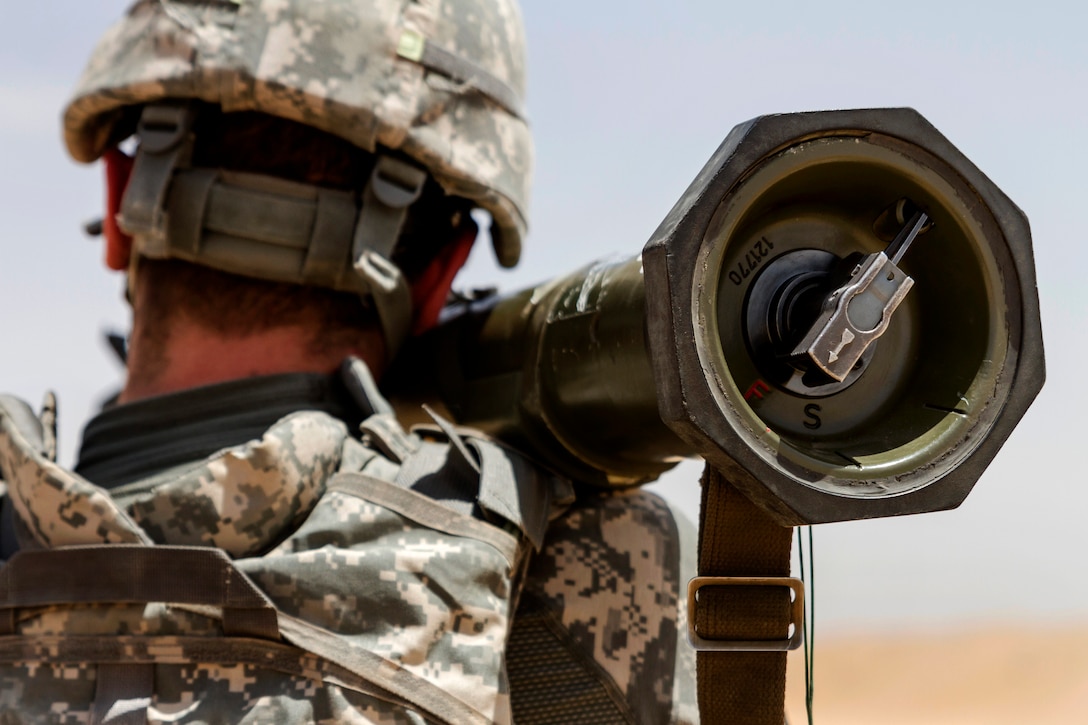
192	356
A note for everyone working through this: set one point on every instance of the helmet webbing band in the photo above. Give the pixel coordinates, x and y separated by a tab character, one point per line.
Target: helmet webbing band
270	228
261	226
414	47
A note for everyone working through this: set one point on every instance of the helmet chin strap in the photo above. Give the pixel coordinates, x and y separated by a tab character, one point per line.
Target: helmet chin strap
265	227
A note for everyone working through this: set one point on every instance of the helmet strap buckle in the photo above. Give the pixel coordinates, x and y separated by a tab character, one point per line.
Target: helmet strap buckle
393	187
166	143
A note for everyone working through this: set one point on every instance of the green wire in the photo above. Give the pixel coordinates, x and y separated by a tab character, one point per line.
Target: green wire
811	639
808	620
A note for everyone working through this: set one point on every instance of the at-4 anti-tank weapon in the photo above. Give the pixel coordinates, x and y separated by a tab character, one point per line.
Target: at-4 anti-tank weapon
839	315
840	312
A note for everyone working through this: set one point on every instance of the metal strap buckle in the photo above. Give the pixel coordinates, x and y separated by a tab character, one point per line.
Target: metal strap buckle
797	612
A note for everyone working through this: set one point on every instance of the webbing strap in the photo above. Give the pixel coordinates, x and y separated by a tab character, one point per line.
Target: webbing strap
260	226
514	489
425	510
472	475
736	538
299	233
414	47
338	661
165	144
325	260
393	187
134	573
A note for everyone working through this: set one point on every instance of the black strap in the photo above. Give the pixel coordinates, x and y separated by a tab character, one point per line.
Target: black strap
132	573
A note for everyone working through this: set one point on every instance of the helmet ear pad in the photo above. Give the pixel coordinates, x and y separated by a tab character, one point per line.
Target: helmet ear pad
431	289
118	168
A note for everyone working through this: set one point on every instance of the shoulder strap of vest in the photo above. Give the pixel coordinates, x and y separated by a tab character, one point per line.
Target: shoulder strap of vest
481	474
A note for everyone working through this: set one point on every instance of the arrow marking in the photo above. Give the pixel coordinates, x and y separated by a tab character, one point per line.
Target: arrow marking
847	338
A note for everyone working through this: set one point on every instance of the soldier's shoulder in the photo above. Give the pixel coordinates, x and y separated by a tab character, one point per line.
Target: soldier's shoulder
604	603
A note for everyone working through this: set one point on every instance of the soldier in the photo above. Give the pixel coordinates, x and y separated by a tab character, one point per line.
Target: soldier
249	534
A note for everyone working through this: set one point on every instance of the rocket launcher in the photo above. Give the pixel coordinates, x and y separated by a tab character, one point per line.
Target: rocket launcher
840	314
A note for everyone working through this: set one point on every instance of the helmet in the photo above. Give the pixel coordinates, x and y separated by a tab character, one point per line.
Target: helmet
437	82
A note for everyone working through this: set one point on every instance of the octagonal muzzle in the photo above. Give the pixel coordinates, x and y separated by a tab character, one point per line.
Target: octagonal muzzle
840	313
788	208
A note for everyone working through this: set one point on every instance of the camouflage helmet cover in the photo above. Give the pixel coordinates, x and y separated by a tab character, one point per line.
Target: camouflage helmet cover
439	80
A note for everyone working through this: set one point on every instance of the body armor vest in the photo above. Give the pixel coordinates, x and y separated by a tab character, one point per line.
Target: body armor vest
306	576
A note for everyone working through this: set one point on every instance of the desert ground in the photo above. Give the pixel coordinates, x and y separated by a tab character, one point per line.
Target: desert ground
1023	674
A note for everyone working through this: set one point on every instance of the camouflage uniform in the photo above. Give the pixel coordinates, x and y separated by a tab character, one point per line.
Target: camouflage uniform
320	572
389	605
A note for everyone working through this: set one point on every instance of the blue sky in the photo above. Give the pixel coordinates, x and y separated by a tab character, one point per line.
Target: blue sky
628	100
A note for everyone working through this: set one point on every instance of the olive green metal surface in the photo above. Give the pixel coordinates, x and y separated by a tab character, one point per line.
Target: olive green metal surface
702	330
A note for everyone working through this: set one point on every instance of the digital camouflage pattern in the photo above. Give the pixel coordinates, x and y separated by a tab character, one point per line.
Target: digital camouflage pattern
247	498
263	697
55	507
612	575
390	603
341	66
